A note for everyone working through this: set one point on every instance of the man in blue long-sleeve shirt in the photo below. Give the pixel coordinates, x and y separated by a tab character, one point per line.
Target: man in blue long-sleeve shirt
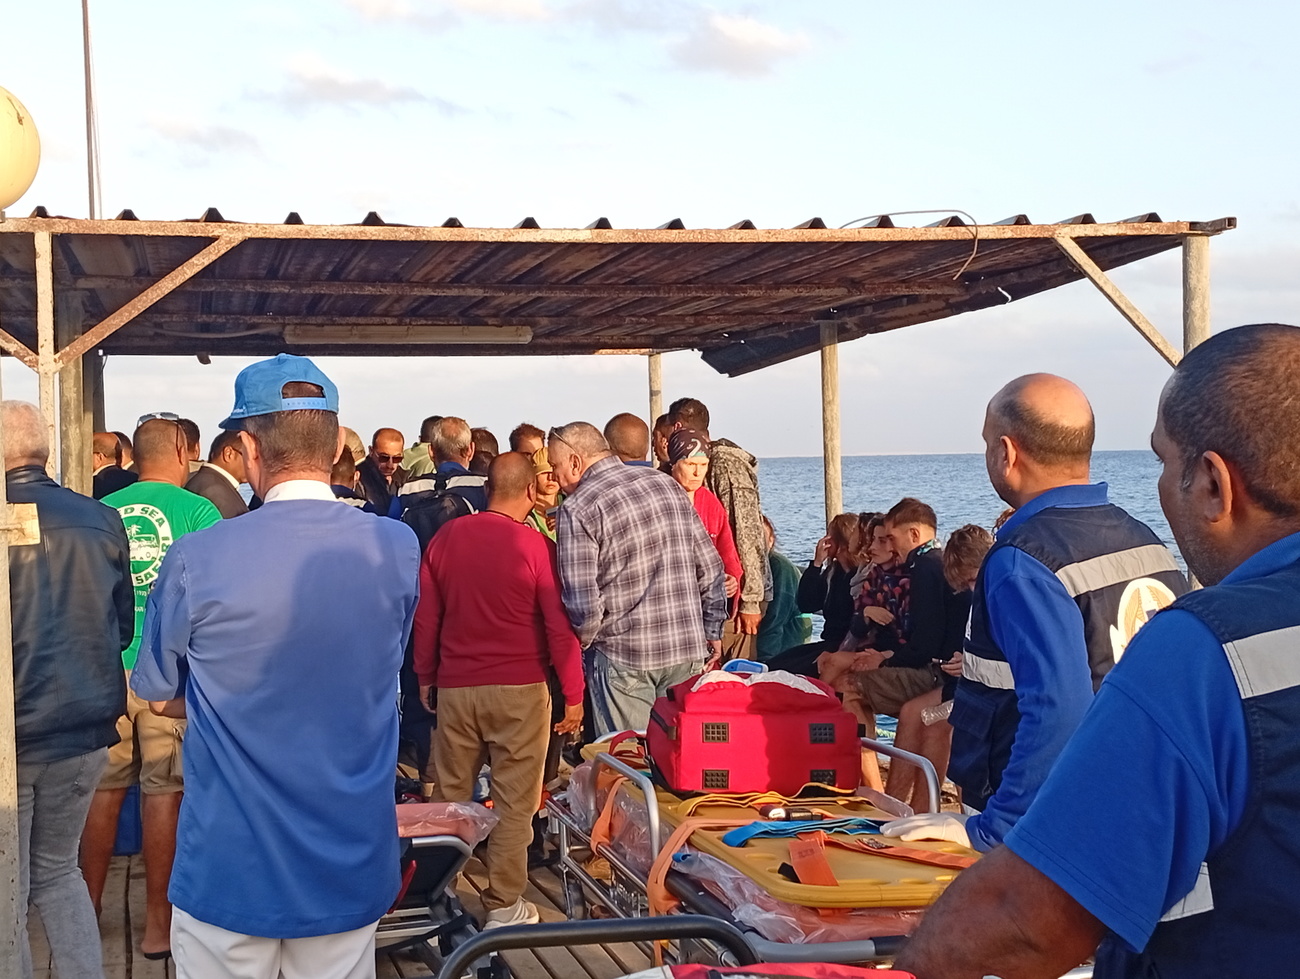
1067	584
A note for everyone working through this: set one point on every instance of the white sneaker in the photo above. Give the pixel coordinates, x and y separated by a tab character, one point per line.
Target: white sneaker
520	913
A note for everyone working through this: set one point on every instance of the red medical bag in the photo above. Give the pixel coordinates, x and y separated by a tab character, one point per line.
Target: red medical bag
764	735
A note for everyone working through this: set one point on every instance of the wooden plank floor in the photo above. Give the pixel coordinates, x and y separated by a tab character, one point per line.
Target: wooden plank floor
122	923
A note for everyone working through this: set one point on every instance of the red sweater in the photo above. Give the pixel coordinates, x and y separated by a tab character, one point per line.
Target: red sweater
714	517
490	612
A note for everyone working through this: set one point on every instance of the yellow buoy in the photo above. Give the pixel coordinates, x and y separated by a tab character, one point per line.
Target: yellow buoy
20	149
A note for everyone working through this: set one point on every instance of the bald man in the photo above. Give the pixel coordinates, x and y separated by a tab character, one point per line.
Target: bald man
381	474
1069	581
629	438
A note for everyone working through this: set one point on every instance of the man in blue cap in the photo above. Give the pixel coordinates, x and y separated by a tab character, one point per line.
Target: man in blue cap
285	662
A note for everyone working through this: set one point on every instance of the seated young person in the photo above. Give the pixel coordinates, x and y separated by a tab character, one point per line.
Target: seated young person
923	722
824	588
783	625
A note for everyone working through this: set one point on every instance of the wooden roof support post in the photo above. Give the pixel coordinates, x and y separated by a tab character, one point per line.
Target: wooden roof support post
18	525
74	421
46	362
1117	299
655	365
831	420
1196	290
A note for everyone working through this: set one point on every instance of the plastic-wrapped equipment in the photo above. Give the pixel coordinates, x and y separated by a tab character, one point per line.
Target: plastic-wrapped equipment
468	820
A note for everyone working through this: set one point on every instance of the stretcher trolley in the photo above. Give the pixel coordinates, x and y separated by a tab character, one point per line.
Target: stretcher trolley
825	889
427	918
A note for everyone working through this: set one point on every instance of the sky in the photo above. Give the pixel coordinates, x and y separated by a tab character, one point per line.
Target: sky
647	110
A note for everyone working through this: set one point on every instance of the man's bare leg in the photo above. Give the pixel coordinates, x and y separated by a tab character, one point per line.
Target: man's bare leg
160	816
97	841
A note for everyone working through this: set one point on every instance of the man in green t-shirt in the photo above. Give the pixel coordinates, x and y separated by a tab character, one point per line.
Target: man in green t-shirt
156	512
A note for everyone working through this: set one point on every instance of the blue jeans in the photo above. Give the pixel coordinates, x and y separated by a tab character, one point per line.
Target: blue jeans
621	698
53	799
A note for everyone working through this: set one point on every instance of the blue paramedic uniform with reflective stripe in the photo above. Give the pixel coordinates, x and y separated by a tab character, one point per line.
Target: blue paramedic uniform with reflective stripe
1174	814
1067	582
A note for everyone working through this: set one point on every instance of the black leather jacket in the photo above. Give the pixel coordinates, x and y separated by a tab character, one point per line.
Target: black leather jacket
73	614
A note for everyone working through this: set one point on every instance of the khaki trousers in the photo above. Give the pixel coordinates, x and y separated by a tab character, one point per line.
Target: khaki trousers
507	727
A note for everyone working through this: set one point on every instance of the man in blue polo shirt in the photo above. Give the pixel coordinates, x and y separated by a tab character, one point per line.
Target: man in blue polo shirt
1167	829
1067	584
285	661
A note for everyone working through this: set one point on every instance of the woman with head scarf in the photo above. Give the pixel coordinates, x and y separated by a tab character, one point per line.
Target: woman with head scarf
688	459
542	516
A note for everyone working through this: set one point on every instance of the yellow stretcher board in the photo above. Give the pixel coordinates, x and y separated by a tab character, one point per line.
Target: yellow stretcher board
866	880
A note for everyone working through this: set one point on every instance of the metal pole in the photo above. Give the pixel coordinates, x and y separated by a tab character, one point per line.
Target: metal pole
92	168
831	420
1196	290
74	436
95	392
10	956
46	367
656	366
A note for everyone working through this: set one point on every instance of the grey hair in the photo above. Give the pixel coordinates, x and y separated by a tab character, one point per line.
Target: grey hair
583	438
452	439
26	437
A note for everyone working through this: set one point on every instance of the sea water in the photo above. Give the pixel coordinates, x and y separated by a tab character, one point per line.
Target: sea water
957	486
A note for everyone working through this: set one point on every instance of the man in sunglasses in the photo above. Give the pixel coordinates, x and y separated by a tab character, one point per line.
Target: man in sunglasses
156	512
381	472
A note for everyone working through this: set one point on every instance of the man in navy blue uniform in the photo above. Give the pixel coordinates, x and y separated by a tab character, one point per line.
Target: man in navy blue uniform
1068	582
1167	830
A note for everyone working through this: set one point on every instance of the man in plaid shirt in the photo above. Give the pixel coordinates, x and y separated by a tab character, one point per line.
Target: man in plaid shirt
641	580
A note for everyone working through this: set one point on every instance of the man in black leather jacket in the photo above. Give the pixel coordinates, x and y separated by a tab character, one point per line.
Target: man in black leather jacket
73	614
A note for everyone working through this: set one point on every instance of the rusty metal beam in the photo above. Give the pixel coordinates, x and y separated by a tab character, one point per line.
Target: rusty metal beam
116	320
266	322
1117	299
597	236
12	345
525	290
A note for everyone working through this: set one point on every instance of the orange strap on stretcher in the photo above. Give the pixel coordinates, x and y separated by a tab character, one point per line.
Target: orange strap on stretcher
858	844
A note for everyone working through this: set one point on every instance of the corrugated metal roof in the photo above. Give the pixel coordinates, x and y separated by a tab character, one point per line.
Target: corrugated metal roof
745	297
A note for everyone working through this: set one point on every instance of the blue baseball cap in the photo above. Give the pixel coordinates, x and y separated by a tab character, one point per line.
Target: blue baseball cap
258	387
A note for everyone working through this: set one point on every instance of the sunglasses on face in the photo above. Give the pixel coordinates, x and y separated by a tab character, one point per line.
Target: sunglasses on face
384	457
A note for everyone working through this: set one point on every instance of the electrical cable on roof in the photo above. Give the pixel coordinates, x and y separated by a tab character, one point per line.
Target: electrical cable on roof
973	226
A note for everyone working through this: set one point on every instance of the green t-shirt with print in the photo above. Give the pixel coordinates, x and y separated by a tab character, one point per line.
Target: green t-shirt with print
155	515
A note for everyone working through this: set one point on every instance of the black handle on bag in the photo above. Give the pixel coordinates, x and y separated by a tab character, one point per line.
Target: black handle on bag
669	928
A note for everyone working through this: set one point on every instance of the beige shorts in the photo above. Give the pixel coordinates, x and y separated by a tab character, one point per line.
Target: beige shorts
149	752
887	689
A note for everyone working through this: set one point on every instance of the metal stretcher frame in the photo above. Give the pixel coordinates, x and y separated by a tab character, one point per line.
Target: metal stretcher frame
429	911
628	883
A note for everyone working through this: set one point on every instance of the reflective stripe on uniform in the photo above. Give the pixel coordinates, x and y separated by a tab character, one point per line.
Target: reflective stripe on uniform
995	673
1198	900
1266	662
1116	568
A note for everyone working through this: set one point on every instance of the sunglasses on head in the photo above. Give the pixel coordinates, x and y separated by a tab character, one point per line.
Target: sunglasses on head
165	416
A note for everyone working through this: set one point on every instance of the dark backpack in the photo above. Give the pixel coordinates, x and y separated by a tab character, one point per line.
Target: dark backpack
428	510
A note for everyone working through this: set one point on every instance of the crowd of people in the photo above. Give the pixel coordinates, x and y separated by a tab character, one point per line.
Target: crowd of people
553	591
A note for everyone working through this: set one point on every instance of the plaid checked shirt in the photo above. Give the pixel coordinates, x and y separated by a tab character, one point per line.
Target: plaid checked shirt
640	578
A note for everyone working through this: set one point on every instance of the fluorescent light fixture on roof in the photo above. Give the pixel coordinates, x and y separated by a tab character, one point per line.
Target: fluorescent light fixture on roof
352	334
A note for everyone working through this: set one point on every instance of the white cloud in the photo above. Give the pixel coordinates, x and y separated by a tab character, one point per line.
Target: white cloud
212	139
736	45
440	15
311	81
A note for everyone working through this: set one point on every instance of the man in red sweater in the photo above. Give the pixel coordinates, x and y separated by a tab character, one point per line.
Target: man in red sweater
488	627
